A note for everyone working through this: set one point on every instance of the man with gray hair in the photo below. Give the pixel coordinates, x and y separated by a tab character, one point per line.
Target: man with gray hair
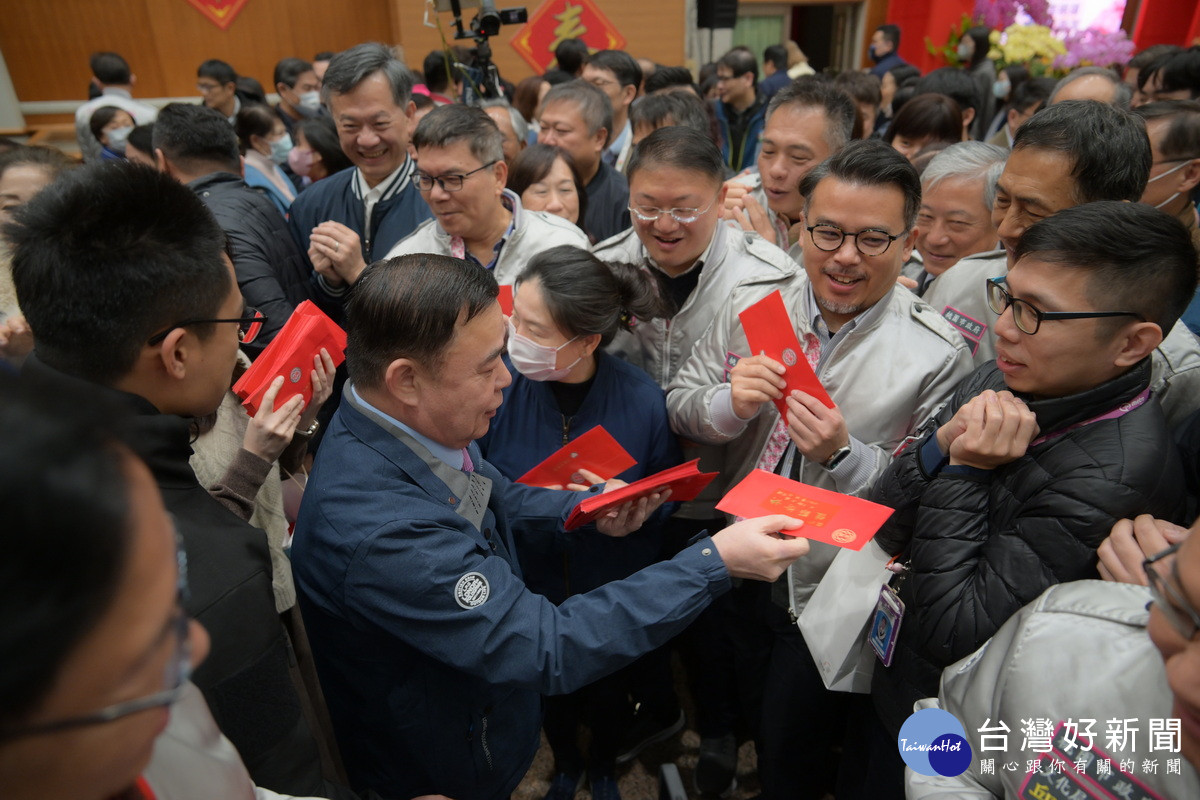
578	117
1092	83
512	126
462	175
353	217
958	188
806	123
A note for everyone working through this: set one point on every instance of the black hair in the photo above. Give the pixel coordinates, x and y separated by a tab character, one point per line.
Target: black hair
53	160
409	307
110	69
891	33
622	65
670	108
570	55
671	78
932	115
525	97
978	35
809	91
249	90
1155	279
452	123
67	534
434	68
557	77
1108	147
1180	71
1153	53
534	163
956	84
218	70
196	138
775	54
141	138
595	109
253	119
585	296
863	87
324	55
351	67
1031	93
321	136
289	70
108	255
1182	136
682	148
869	162
101	117
740	60
905	75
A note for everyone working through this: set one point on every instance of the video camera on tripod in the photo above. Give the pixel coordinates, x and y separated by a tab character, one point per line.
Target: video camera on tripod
484	78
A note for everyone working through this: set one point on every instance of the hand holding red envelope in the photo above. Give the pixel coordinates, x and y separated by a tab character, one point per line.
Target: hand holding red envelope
769	331
684	481
596	451
836	519
291	355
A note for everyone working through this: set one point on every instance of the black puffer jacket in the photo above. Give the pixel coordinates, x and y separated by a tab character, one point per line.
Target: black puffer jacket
981	546
272	273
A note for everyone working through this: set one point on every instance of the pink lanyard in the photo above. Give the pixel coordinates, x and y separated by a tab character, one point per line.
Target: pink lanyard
1117	412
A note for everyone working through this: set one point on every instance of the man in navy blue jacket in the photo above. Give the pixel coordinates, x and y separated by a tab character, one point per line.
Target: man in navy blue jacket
353	217
432	652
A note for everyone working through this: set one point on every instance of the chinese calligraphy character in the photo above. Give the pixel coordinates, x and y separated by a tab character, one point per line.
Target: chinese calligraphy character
987	766
570	25
1075	736
1174	766
1121	733
1150	767
1035	734
1164	735
997	738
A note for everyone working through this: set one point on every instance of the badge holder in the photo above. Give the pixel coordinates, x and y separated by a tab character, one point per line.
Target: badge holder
885	621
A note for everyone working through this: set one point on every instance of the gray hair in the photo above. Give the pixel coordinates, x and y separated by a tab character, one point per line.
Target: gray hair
594	106
520	126
448	124
812	92
1122	93
351	67
968	161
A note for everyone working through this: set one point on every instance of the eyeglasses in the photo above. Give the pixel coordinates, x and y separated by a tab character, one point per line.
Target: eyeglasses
684	216
175	676
205	88
449	183
1174	605
249	324
868	241
1029	318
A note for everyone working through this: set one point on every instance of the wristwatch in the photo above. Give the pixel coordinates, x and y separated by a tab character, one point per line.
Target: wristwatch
838	457
307	434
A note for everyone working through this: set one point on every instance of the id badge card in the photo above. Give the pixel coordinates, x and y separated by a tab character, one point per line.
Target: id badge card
885	624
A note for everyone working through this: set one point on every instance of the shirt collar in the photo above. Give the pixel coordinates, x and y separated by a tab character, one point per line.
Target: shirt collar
619	143
458	247
448	455
110	91
386	188
822	329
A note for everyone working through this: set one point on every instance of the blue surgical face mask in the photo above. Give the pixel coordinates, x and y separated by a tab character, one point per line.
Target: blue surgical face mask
1001	89
280	149
117	138
309	103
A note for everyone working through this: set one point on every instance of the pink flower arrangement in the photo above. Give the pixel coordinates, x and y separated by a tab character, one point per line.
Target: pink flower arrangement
999	14
1094	48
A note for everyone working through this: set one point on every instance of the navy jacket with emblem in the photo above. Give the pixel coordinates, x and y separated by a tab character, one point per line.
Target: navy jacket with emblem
432	652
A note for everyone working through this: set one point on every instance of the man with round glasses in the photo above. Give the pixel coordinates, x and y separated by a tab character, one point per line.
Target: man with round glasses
887	361
462	175
1018	480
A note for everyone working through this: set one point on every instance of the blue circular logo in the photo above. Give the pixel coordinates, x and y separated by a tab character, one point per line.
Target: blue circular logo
934	742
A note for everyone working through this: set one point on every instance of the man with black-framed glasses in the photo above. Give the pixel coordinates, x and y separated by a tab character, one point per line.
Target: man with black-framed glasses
461	175
1019	479
124	278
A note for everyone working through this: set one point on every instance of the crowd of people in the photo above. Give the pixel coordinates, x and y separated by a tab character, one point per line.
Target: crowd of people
993	276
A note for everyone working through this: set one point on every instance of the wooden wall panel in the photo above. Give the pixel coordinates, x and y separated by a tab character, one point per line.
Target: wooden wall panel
46	45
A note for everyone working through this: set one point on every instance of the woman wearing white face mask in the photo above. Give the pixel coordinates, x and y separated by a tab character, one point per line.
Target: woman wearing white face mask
567	306
111	126
265	143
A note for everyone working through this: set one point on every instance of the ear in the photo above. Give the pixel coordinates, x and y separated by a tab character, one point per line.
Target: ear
173	354
1136	342
500	170
401	379
132	79
590	343
1013	116
628	94
600	139
907	244
968	117
1191	176
160	161
281	87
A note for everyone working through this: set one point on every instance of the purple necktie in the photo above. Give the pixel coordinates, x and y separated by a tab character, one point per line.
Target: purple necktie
468	466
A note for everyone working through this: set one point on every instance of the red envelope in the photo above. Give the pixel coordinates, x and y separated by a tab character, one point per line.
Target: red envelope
769	330
596	451
291	354
684	481
837	519
506	299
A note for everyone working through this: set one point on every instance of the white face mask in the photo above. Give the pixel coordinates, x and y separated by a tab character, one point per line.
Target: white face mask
537	361
280	149
309	103
1163	175
117	138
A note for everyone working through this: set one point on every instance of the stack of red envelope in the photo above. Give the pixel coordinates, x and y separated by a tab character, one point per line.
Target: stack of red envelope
291	354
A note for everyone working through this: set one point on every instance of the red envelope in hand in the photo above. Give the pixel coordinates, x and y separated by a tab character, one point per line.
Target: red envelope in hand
684	481
769	331
837	519
291	354
596	451
506	299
